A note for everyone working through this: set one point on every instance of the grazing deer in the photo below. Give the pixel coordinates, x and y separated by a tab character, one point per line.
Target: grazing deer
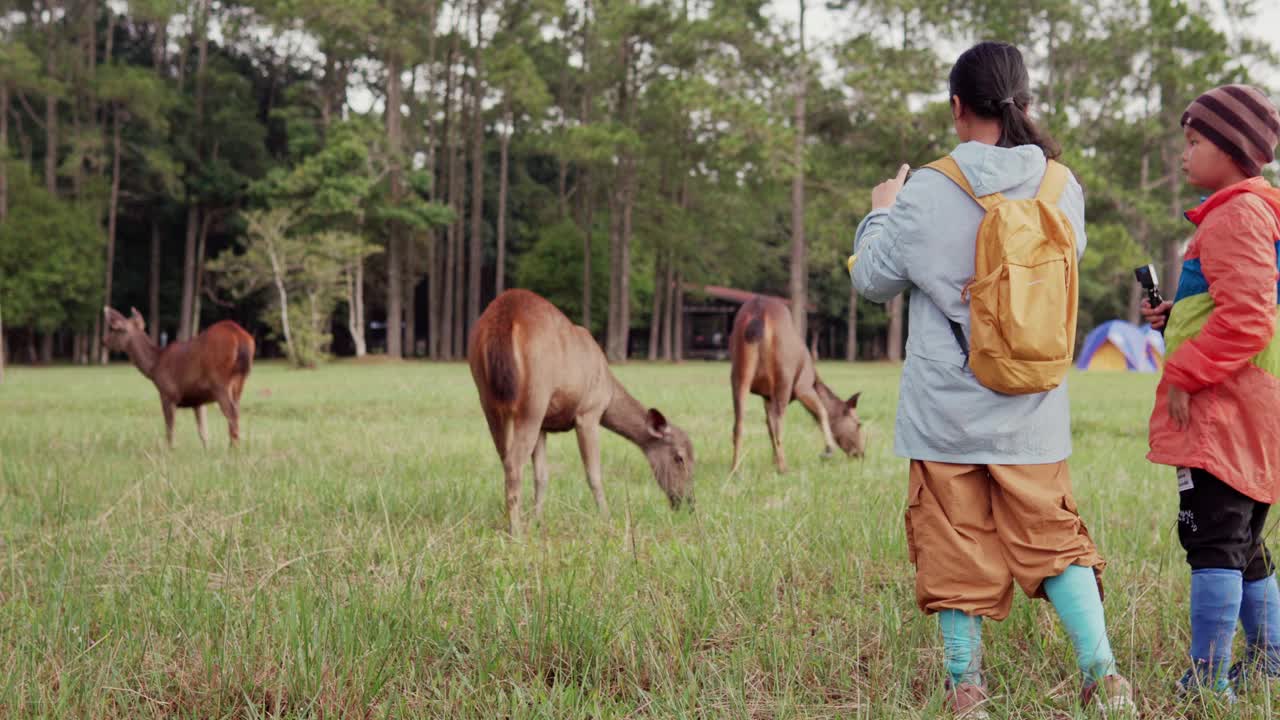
536	373
210	367
770	360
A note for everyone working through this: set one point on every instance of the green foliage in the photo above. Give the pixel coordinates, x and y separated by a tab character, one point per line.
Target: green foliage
552	267
50	259
303	274
679	111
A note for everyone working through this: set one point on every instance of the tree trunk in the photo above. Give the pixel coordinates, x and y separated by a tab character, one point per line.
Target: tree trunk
459	280
851	342
458	252
410	297
668	308
46	348
189	271
395	264
4	153
586	253
154	310
202	56
197	295
894	348
655	319
326	90
51	113
477	179
442	283
448	291
159	46
678	342
277	276
612	321
584	175
199	28
97	333
500	270
628	205
111	35
433	297
112	215
355	308
1134	310
799	261
620	226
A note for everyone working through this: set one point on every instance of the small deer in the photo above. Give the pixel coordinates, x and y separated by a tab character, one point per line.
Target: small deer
538	373
770	360
211	367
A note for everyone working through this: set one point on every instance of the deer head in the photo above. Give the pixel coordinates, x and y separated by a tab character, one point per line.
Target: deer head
846	426
121	330
670	455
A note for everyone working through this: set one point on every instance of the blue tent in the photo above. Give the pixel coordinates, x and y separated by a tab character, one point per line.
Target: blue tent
1119	345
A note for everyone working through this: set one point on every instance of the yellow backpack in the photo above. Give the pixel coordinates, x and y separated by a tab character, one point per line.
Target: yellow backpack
1025	288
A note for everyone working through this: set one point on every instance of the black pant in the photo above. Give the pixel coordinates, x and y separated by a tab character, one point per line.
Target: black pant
1221	528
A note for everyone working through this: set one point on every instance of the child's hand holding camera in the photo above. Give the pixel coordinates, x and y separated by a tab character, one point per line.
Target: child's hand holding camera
1156	316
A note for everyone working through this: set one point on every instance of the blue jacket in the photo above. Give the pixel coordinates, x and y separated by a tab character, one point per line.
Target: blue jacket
925	243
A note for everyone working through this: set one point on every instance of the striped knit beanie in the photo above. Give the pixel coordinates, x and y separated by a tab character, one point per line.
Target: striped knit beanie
1241	121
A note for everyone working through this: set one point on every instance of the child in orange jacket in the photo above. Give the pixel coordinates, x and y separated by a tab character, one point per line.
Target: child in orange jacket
1216	416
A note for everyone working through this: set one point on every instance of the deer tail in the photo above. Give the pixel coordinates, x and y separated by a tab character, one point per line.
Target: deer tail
755	329
244	357
500	367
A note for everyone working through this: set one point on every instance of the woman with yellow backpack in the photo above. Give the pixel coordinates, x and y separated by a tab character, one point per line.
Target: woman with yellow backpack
987	240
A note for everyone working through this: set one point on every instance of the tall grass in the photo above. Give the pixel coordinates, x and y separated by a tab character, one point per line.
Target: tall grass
350	561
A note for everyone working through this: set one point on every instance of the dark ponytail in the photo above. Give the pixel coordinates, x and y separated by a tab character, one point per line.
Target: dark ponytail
992	82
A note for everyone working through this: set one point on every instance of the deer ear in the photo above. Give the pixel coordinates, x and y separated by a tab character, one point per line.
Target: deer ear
113	318
853	401
658	426
137	319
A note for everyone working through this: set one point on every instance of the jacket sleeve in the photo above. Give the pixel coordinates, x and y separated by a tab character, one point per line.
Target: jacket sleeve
1072	204
879	267
1238	256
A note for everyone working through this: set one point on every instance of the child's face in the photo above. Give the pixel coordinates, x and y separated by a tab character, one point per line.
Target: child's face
1205	165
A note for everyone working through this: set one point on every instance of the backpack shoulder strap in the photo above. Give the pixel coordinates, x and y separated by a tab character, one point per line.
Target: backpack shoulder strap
949	167
1054	182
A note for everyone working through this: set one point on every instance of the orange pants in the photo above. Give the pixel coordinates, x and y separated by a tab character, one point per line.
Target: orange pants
972	530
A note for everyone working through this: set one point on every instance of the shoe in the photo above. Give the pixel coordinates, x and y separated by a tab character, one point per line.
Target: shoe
1114	696
966	700
1243	673
1192	685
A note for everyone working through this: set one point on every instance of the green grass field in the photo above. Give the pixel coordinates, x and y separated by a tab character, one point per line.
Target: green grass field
351	560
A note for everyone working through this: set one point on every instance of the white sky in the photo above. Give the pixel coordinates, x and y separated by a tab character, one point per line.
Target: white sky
823	26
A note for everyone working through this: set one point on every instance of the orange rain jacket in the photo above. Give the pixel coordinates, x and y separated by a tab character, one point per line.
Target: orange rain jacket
1222	345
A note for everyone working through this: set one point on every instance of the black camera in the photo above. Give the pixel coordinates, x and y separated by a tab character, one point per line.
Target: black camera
1146	276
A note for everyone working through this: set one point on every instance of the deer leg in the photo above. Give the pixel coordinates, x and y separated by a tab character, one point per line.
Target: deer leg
168	421
811	402
231	410
540	474
200	425
739	411
589	447
521	446
773	418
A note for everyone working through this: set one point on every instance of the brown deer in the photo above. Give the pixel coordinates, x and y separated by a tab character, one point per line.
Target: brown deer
210	367
536	373
770	360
